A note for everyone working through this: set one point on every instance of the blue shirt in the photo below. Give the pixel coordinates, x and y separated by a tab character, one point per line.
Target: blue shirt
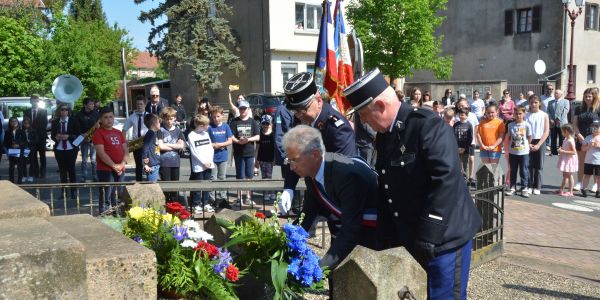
150	149
220	134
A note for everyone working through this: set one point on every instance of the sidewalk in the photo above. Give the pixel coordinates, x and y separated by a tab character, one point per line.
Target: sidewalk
553	240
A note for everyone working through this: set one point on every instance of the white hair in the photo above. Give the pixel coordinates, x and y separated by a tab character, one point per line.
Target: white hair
306	138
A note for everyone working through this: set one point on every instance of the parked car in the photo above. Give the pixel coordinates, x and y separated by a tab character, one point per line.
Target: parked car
16	106
266	102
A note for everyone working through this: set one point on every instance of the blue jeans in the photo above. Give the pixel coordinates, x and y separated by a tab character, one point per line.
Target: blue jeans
87	152
153	175
219	172
448	273
199	176
520	163
108	194
244	167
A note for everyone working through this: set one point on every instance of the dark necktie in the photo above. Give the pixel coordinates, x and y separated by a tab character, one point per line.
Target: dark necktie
139	125
33	114
64	131
154	108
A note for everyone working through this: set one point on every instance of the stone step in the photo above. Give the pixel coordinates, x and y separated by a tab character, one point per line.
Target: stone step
116	266
17	203
39	261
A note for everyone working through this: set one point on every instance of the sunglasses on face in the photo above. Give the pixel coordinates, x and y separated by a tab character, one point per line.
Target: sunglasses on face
154	96
64	109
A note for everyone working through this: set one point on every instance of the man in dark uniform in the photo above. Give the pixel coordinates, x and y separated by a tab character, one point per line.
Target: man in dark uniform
304	101
343	190
425	205
39	124
284	121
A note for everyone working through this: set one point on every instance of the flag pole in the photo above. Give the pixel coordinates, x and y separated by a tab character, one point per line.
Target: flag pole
125	82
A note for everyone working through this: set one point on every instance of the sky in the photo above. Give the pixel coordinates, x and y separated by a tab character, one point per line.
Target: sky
126	13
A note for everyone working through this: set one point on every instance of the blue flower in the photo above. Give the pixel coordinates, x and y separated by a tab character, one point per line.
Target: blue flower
138	239
180	232
224	261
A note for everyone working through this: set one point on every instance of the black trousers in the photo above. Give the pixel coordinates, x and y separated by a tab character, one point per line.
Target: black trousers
139	165
20	164
66	164
170	174
555	140
38	169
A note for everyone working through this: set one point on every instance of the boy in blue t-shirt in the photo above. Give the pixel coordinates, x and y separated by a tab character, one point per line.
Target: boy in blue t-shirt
221	137
150	151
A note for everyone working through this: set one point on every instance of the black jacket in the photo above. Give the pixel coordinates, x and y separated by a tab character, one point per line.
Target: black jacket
87	119
162	103
72	130
39	124
17	138
338	137
351	187
422	194
181	115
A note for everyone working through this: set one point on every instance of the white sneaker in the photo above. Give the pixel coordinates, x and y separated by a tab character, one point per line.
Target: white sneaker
525	193
30	179
509	192
594	188
536	192
577	186
198	209
208	208
249	202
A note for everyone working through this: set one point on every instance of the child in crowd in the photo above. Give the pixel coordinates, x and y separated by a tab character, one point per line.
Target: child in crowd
202	154
14	141
463	103
490	134
111	156
591	166
221	137
518	138
136	123
266	151
463	131
150	150
31	140
171	144
449	116
568	161
540	128
245	132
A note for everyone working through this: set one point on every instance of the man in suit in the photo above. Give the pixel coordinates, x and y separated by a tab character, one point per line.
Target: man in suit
425	205
558	112
39	124
343	189
305	102
156	103
65	129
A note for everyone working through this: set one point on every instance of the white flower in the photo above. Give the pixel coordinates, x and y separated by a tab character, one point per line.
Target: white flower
199	234
189	244
191	224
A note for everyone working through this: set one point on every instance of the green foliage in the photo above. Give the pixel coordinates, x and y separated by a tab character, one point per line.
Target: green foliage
21	57
195	34
398	36
87	10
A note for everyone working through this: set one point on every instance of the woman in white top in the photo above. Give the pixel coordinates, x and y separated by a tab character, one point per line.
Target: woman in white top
540	128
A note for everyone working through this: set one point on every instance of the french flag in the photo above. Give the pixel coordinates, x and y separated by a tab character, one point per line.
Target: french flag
333	66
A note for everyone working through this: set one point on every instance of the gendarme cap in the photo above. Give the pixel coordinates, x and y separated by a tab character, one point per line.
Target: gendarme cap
299	90
365	89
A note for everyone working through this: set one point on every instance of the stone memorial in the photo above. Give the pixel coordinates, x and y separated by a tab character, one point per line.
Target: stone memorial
143	194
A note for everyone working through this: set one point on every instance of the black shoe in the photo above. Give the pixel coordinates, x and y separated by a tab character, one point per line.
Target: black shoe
583	193
597	194
225	204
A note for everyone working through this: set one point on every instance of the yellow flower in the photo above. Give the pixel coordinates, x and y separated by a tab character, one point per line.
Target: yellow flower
171	219
136	213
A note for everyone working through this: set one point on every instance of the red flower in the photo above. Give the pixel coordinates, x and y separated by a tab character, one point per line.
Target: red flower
232	273
184	214
210	249
174	207
260	215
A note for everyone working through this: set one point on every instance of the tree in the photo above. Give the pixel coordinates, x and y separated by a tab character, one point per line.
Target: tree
398	36
195	34
87	10
20	58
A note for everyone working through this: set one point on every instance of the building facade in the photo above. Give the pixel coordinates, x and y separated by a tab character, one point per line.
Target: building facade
501	40
277	38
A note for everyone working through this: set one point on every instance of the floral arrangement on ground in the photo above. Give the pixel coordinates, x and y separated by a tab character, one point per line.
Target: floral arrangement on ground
188	265
277	255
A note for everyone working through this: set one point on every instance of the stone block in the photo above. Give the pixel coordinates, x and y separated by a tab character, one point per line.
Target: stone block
17	203
220	234
39	261
369	274
116	266
144	194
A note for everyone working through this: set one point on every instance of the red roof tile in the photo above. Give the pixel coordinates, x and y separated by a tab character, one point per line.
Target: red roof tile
37	3
144	61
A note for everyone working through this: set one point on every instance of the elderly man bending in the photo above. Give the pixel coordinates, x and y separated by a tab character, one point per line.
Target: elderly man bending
344	191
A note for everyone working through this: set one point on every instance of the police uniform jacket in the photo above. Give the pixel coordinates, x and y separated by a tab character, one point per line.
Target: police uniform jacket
284	121
348	201
338	137
422	194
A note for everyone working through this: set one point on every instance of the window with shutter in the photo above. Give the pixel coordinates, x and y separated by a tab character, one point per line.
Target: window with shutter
508	22
586	24
536	22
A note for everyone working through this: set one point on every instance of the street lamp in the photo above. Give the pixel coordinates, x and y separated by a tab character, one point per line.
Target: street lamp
573	14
